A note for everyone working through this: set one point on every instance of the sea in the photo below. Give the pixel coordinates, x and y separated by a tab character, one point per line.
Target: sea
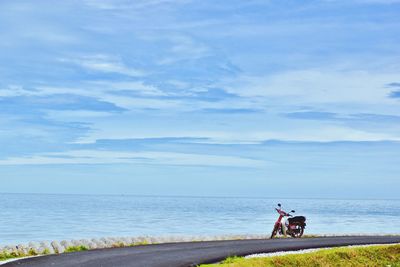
47	217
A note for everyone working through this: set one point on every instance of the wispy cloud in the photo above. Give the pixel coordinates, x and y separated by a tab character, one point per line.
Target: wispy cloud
212	84
231	110
185	48
150	157
104	63
56	102
324	86
370	118
124	4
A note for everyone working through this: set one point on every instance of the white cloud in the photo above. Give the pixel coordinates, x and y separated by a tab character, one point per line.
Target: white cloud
106	64
124	4
105	91
14	90
130	86
184	48
150	157
318	86
317	133
324	134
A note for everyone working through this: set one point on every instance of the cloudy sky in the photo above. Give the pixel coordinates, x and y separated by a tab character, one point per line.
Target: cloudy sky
214	98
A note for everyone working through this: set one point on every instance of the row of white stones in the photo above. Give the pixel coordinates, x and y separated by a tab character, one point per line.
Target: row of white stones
54	247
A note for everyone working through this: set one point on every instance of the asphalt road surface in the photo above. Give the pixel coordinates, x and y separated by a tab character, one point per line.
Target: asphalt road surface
191	253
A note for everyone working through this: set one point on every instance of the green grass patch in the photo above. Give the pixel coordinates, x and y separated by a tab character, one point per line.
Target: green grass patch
388	256
6	256
76	248
141	243
17	254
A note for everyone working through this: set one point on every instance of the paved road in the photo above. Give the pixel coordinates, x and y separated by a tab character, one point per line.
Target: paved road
192	253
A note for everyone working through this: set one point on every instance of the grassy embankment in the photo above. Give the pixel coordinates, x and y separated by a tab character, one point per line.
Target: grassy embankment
32	252
17	254
55	247
388	255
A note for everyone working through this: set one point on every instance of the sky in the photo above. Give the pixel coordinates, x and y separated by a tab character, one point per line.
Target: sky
201	98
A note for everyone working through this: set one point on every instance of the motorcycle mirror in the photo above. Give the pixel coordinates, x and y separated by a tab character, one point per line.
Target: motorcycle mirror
292	211
279	204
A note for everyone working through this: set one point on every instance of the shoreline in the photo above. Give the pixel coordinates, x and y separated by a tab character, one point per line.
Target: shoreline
34	249
176	254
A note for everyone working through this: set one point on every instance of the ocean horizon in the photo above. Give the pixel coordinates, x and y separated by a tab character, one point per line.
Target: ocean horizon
39	217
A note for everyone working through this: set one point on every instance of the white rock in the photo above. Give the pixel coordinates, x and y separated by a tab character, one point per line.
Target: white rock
57	247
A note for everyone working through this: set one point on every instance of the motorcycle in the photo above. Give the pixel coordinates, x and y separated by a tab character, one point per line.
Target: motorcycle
294	226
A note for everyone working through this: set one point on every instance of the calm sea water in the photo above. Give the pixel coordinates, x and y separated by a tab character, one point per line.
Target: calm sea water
34	217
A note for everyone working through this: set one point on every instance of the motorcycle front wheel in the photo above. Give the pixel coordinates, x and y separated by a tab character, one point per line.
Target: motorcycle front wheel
274	232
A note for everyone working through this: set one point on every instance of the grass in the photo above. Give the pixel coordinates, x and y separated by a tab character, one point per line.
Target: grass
385	255
141	243
18	254
76	248
6	256
32	252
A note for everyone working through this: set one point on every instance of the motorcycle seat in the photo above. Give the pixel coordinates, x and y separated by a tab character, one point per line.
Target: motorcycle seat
297	219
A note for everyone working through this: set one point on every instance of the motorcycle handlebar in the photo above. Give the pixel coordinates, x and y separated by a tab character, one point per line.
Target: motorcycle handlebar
281	212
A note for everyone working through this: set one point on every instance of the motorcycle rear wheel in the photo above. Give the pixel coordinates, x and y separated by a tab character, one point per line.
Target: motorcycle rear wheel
299	233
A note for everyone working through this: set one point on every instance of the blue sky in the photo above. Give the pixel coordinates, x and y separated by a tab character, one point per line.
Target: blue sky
223	98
